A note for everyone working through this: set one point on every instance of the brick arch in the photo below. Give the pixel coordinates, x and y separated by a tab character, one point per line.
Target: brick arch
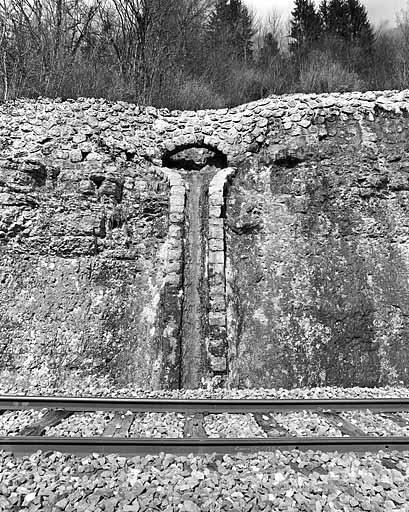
220	158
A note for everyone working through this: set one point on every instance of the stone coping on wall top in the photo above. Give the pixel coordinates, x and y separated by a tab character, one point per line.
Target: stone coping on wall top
90	129
289	101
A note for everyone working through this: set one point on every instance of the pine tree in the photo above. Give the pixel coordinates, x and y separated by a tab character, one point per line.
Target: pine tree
323	13
347	34
336	22
305	27
268	50
348	20
230	30
361	29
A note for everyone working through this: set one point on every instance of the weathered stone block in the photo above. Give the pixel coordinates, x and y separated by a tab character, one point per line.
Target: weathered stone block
217	319
216	257
179	191
176	206
216	200
216	232
217	347
215	211
218	364
218	332
216	244
75	155
175	255
216	273
216	222
176	217
87	187
175	231
175	180
217	290
176	244
174	278
218	304
80	137
174	266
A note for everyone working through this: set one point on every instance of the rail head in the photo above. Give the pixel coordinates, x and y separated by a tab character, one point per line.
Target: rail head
87	404
142	446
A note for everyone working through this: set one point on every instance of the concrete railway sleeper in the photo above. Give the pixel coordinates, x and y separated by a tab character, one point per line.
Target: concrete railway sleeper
204	426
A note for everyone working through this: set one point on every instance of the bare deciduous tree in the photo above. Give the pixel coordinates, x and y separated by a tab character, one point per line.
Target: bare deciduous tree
402	50
184	53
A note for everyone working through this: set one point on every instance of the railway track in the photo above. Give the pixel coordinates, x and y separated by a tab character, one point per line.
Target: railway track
55	410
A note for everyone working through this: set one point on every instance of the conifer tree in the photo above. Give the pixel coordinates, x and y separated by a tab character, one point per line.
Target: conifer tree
230	30
305	27
336	19
361	29
323	13
268	50
348	20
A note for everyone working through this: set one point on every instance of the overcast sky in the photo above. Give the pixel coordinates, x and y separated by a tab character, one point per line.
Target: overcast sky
379	10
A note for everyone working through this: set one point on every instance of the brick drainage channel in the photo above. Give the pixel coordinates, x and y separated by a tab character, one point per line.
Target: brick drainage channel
194	441
198	177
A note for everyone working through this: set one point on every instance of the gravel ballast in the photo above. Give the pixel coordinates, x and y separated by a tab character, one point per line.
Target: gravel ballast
278	481
231	425
375	424
78	385
306	423
85	424
12	422
288	481
158	425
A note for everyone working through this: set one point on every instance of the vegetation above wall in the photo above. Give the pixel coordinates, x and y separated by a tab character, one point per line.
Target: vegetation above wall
306	254
193	54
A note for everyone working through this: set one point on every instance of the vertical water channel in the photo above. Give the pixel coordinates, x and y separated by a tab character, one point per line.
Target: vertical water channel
195	285
197	167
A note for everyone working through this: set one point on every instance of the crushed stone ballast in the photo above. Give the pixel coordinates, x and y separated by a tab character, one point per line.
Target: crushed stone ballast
281	480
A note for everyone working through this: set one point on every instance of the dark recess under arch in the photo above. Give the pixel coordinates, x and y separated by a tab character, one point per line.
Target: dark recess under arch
194	157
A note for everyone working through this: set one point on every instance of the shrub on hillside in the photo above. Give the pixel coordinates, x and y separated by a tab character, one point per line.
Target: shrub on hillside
321	73
192	94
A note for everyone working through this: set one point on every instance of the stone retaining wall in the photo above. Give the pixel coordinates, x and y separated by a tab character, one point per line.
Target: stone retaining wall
308	253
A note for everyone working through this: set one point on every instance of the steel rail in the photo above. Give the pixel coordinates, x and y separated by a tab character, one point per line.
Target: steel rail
192	406
150	446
